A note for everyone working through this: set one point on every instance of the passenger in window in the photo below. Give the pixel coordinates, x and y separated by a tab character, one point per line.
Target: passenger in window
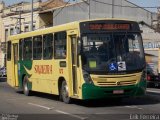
61	53
64	52
26	51
103	47
103	51
120	47
93	48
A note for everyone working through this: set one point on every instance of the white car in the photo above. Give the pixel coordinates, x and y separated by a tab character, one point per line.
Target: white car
3	72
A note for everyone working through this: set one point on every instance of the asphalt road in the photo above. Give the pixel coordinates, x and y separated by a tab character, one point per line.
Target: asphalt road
16	106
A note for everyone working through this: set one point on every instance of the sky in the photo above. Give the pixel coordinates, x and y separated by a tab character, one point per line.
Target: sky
142	3
147	3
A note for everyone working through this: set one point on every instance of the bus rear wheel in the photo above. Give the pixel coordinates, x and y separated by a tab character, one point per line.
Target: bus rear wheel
26	90
64	93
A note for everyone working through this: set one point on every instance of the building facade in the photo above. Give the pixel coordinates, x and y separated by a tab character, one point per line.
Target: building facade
92	9
1	29
123	9
16	19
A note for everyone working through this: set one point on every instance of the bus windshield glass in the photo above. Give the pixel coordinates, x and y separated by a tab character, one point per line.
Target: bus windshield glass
112	52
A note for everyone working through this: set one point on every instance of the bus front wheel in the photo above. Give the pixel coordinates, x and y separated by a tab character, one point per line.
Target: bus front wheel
64	93
25	86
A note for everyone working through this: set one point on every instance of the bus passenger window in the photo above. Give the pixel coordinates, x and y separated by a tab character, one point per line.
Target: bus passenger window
37	47
27	49
48	46
8	50
60	45
20	49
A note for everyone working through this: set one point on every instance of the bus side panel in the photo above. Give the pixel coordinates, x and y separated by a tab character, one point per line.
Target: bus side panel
10	80
41	75
43	79
21	73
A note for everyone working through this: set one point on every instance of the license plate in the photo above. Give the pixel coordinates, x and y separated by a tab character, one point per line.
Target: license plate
118	91
156	84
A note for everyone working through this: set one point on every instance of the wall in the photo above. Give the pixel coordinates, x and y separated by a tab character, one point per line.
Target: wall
9	21
101	9
1	29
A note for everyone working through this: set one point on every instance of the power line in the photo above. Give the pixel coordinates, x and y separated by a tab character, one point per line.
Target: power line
111	4
123	5
61	9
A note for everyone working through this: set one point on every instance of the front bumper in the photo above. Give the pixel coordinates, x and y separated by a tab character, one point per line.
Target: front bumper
90	91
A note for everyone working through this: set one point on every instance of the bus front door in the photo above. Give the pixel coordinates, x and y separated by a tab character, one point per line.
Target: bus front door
15	61
74	63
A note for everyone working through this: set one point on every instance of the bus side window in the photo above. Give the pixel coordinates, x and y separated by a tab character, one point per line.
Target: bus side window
37	48
60	45
48	46
27	49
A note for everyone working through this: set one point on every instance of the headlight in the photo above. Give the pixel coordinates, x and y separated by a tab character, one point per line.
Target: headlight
87	77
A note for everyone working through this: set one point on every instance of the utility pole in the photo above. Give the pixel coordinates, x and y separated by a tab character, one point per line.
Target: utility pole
32	16
20	24
19	19
112	8
89	9
158	20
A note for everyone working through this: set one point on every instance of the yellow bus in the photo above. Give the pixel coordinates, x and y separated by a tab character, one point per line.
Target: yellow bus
90	59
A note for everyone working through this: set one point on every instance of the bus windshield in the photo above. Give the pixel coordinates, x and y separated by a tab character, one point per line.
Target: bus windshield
112	52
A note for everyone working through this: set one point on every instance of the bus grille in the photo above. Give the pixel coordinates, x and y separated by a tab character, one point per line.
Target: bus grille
115	83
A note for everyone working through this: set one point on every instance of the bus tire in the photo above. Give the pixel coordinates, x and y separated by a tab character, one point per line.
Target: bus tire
26	90
64	93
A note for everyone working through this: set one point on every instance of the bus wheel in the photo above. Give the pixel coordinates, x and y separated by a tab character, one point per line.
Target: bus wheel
25	86
64	93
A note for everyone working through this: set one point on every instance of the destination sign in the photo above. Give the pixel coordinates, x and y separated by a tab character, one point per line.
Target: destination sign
146	45
100	26
107	26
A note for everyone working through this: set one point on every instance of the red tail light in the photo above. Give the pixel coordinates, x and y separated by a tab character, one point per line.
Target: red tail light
148	77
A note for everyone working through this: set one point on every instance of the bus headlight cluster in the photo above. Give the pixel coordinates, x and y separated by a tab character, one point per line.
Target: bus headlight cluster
87	77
